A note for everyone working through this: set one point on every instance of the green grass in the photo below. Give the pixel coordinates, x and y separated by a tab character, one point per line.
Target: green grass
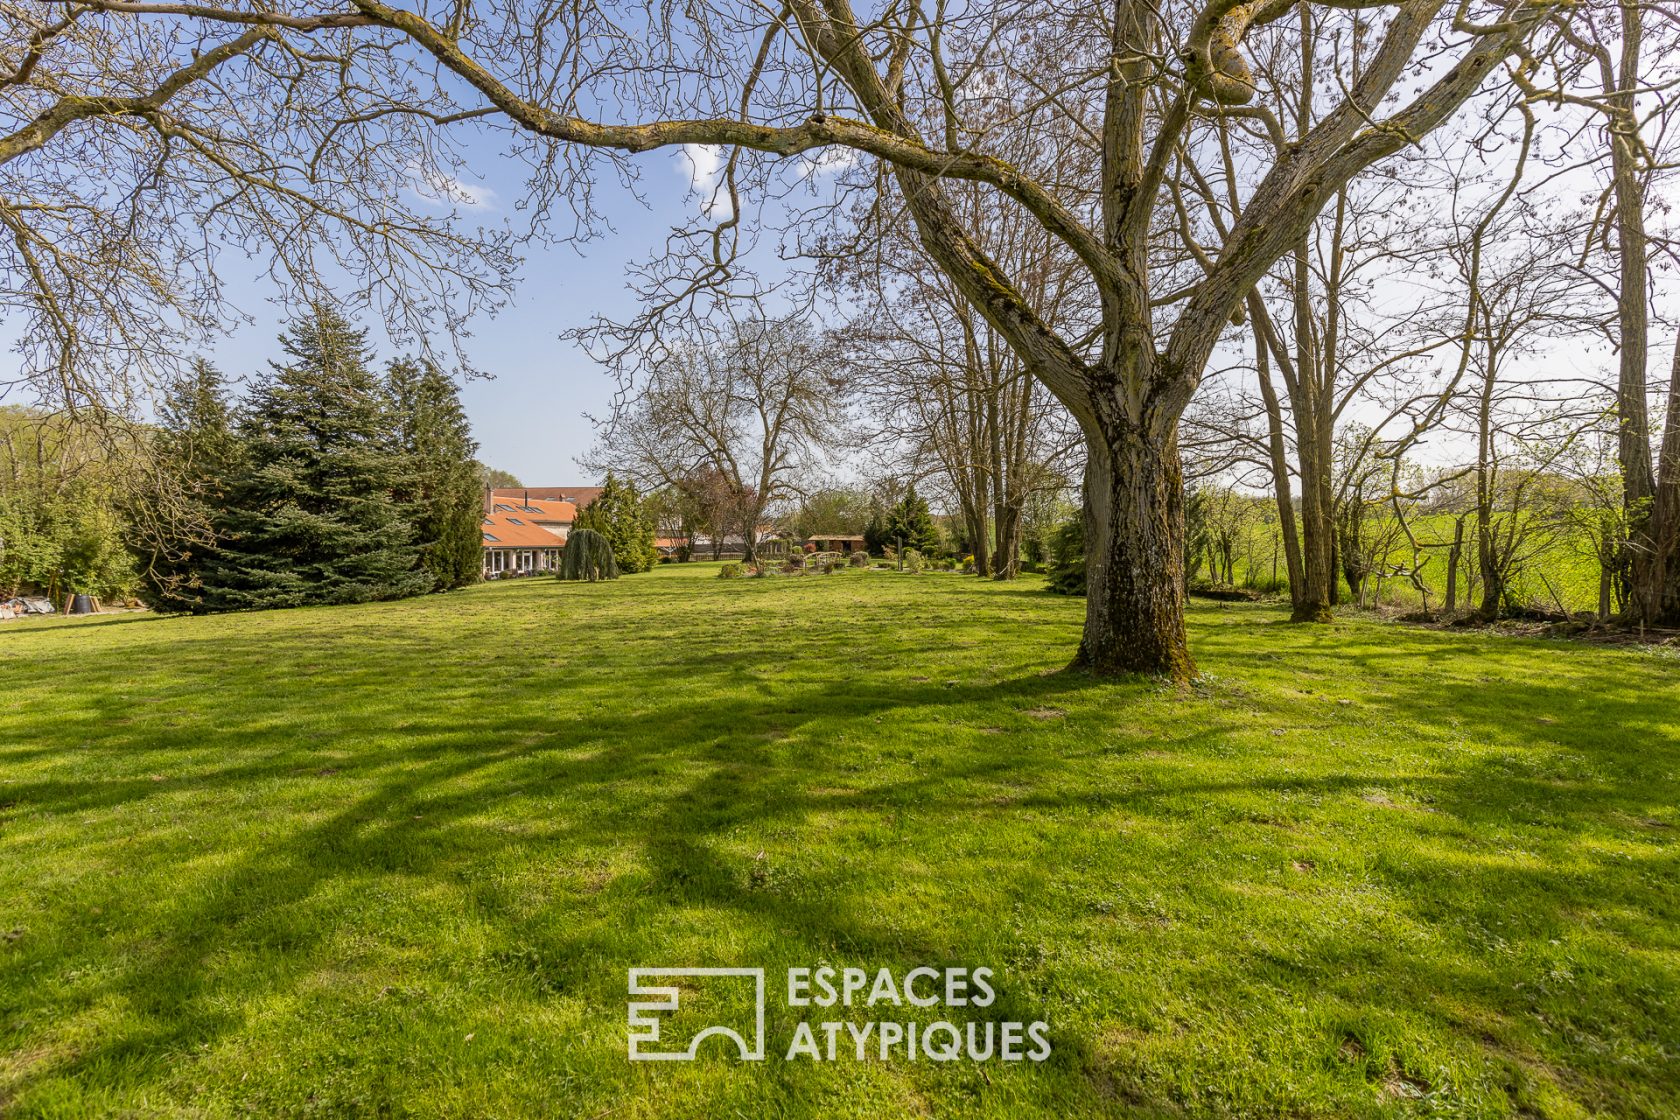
396	859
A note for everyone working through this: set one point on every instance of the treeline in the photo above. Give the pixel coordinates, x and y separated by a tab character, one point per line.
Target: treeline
61	527
328	483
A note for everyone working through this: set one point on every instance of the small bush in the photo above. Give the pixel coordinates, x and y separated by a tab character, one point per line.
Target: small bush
914	561
860	559
730	571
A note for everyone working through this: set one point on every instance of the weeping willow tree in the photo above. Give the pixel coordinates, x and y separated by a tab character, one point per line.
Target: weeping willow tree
587	556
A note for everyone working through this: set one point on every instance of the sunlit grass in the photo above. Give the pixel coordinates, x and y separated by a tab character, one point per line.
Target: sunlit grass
396	859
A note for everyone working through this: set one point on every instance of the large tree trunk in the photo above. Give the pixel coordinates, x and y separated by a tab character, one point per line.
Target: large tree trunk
1633	427
1134	548
1318	572
974	523
1278	456
1666	517
1006	557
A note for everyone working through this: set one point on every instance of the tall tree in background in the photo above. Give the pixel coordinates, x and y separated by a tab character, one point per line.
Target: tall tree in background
1623	65
437	480
735	423
622	519
311	518
940	387
196	457
910	525
496	478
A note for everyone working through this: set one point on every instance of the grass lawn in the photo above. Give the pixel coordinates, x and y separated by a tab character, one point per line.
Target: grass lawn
396	859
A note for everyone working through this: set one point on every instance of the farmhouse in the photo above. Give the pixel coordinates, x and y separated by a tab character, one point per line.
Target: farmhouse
525	529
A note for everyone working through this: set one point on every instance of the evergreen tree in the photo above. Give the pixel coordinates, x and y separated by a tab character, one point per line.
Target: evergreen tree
619	514
1065	574
875	537
311	517
587	556
172	512
910	525
438	485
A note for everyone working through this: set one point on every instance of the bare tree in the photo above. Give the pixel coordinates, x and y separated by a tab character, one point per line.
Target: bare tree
1621	66
734	422
137	151
940	389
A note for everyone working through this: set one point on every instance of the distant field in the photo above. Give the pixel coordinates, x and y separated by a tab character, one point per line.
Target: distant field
1557	570
395	860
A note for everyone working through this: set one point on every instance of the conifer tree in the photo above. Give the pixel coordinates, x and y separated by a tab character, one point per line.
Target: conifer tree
172	510
587	556
311	517
910	525
438	485
619	514
875	537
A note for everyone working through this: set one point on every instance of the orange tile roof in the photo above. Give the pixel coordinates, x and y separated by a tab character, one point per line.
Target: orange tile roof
534	509
517	530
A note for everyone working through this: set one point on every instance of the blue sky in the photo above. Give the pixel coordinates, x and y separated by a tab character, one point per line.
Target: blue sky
529	416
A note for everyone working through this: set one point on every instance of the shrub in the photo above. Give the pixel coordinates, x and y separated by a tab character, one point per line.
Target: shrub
587	556
730	571
914	561
860	559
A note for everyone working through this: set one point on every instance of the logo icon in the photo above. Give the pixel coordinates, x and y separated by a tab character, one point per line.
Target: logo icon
644	1027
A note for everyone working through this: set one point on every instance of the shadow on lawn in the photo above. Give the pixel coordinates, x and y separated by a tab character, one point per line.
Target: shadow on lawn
414	819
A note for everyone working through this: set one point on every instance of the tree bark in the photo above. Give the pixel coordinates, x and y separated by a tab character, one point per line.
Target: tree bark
1134	534
1453	557
1666	514
1278	455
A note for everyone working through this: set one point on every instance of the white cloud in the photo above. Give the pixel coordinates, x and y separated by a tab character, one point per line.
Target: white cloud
432	185
702	165
827	161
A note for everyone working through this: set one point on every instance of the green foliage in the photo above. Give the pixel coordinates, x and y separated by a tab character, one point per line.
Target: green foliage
914	561
731	570
619	514
587	556
173	520
834	510
437	479
313	517
859	559
910	523
61	530
496	478
1197	532
875	541
1065	569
